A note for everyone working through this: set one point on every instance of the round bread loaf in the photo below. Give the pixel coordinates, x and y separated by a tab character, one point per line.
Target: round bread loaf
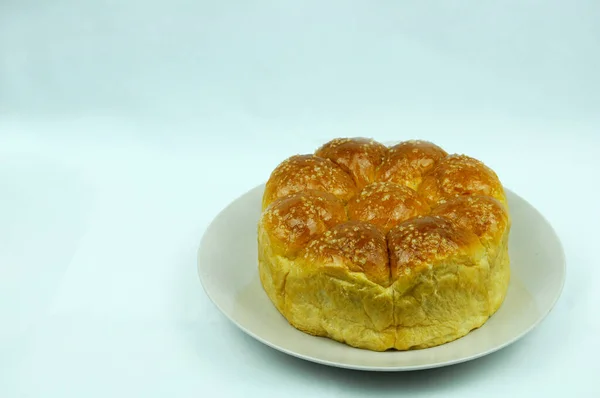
384	248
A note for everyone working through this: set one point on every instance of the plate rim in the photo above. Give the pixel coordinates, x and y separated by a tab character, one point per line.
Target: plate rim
404	368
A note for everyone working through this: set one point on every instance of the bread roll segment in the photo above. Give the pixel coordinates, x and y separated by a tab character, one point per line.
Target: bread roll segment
308	172
457	175
360	157
385	204
488	218
408	161
441	276
384	248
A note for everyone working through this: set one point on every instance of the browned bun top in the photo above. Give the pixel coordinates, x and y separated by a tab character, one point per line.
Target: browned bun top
308	172
408	161
358	206
360	157
424	241
458	175
386	204
483	215
293	220
355	246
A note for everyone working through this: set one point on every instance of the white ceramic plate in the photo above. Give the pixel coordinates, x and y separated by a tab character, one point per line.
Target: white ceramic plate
227	266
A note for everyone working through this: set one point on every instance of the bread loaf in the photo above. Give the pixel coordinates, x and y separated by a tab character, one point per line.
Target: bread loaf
383	248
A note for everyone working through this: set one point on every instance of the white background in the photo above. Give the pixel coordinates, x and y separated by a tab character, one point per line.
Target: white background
126	126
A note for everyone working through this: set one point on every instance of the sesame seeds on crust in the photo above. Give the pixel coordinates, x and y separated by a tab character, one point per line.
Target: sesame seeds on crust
293	220
423	241
487	217
359	246
386	204
458	175
308	172
430	204
359	157
408	161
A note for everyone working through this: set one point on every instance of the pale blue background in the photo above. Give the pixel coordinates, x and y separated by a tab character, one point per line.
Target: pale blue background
125	126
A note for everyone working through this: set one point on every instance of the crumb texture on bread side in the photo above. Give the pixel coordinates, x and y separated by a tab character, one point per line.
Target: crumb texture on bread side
381	248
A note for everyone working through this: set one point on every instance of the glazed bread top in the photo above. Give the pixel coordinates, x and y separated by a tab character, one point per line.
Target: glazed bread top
359	206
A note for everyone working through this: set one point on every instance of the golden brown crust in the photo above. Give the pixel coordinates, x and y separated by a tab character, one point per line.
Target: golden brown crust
386	204
384	249
308	172
354	245
488	218
292	221
485	216
424	241
360	157
458	175
408	161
